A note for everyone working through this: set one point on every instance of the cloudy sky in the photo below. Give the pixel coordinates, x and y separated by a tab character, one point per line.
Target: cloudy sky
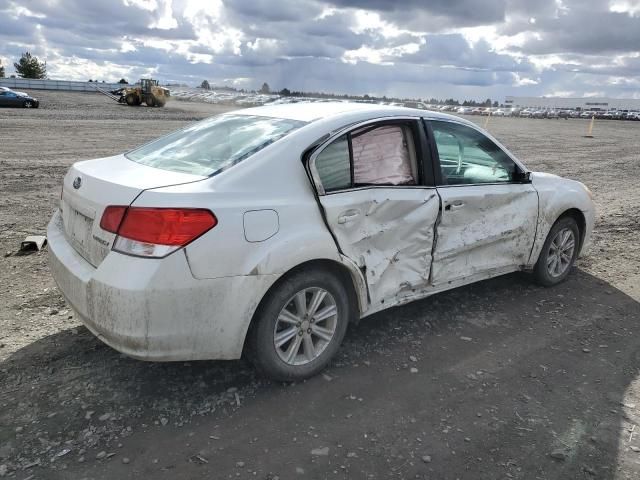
414	48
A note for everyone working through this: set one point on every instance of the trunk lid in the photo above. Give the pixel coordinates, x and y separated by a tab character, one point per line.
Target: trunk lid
92	185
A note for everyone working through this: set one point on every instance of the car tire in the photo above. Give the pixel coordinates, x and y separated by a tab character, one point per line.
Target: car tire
282	315
27	104
559	253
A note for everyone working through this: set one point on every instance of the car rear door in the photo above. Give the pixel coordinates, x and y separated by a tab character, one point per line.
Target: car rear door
379	204
489	208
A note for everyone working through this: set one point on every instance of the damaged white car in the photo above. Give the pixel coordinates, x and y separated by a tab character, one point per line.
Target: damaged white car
267	230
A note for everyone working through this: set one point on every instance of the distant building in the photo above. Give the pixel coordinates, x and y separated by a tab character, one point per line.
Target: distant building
586	103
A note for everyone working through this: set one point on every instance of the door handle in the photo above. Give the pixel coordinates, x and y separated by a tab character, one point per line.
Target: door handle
454	206
348	216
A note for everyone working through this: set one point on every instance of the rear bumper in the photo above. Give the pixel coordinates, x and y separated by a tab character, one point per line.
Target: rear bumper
154	309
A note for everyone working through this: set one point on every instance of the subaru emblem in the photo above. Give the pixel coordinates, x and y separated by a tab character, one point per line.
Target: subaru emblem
77	183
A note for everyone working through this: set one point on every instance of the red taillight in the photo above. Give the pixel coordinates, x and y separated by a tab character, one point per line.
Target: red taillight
166	226
112	217
158	226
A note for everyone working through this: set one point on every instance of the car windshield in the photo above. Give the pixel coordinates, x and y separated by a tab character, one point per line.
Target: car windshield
213	145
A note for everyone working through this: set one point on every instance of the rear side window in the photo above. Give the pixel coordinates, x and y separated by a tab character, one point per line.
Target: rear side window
213	145
381	156
372	155
334	166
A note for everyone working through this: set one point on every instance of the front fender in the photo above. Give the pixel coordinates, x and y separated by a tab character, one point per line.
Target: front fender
556	196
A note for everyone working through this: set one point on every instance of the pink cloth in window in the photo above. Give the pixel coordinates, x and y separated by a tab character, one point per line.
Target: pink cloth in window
381	156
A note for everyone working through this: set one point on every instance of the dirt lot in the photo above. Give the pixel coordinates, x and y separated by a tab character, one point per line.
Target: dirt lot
513	381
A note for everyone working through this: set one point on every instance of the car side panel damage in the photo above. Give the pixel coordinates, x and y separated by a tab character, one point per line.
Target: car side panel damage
483	227
389	234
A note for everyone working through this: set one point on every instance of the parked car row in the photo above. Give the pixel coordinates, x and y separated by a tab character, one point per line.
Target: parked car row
554	113
11	98
250	99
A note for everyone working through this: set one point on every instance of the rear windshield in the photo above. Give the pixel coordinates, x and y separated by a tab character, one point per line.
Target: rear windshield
212	145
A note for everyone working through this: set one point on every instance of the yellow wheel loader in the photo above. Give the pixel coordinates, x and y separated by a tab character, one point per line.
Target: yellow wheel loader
148	92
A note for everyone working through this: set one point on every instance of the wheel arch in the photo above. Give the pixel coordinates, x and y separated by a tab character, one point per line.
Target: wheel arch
545	226
560	197
580	219
343	271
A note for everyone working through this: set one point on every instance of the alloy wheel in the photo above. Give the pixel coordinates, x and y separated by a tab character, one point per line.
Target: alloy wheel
560	254
305	326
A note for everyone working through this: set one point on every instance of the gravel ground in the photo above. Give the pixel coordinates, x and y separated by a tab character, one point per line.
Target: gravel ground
498	380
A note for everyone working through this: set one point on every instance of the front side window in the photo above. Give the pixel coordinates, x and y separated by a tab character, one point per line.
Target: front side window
214	144
372	155
469	157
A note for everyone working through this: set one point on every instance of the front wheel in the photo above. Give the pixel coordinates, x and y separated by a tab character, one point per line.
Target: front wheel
300	326
131	100
559	253
27	104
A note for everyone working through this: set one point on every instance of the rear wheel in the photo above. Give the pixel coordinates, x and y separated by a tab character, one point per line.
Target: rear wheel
150	101
559	253
300	326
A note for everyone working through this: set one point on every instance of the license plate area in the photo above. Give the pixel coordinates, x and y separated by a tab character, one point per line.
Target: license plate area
81	227
78	227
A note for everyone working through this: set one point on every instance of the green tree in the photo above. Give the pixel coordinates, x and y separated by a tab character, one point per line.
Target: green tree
205	85
1	70
123	81
285	92
265	88
30	67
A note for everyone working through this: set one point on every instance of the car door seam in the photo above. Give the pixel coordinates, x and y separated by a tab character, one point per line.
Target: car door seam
435	238
535	234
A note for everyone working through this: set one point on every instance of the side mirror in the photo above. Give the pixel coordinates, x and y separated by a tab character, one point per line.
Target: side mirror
522	177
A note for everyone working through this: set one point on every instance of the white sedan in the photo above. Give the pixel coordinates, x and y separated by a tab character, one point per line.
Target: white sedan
268	230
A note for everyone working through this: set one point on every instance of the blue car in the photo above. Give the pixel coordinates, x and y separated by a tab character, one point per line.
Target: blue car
9	98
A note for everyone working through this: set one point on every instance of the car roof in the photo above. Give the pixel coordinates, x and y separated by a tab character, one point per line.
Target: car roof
312	111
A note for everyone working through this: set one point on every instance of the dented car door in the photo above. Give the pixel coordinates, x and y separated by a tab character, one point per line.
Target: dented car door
378	208
489	208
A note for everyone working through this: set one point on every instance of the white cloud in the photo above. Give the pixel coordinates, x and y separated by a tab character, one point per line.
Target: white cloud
165	20
523	81
631	7
148	5
17	11
432	48
380	56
